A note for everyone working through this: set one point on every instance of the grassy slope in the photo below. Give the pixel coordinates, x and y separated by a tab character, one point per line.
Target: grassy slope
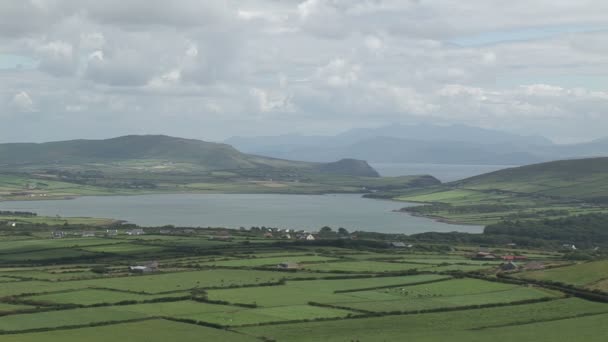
152	164
553	189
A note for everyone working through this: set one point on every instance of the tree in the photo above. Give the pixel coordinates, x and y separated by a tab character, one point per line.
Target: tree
326	231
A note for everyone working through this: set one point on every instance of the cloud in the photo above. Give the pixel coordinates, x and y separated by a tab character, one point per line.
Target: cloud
57	57
310	65
22	102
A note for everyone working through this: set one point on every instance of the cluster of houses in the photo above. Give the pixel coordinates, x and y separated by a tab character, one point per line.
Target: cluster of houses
288	234
399	244
510	262
59	234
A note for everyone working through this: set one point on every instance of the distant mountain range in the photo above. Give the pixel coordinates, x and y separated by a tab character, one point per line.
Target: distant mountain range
457	144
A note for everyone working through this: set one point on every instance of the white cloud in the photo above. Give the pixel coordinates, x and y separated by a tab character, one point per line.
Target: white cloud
339	73
324	64
23	102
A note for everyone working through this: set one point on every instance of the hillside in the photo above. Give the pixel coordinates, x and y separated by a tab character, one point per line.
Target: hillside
585	179
164	149
156	163
547	190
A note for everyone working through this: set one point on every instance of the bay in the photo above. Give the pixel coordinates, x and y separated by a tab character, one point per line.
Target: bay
308	212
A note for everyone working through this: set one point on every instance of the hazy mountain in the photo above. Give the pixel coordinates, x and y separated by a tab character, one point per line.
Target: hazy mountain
399	143
455	144
128	151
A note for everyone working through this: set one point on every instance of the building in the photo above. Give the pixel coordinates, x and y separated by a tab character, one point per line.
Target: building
509	266
88	234
310	237
268	235
514	257
136	231
58	234
149	267
288	265
534	266
111	232
484	256
400	244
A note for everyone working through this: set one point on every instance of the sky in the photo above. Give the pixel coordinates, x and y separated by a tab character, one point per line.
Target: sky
215	69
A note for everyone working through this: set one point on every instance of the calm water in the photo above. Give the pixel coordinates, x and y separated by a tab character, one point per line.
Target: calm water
235	210
443	172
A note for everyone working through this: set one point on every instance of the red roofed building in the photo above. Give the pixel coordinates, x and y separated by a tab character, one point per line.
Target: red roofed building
514	257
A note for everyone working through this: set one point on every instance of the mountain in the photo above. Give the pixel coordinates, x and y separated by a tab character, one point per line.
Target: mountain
433	144
349	166
457	144
166	151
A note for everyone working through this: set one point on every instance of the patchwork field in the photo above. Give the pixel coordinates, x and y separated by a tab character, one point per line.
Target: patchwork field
75	288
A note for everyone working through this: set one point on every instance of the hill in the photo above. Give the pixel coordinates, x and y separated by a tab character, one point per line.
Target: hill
164	149
154	163
585	179
547	190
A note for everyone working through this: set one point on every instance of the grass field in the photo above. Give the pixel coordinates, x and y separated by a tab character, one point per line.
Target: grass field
322	291
589	275
216	292
92	296
147	331
444	326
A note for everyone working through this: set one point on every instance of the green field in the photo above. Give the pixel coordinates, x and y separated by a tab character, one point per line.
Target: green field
444	326
92	296
147	331
588	275
322	291
80	288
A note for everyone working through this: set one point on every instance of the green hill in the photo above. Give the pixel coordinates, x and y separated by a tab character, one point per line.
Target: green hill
585	179
212	156
135	149
154	163
546	190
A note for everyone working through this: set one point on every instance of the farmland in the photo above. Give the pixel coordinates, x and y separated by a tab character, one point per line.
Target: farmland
202	287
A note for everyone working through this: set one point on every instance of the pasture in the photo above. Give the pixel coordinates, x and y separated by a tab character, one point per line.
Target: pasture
74	288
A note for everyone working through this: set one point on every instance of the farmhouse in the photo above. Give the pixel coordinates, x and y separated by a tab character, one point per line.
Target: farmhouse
514	257
58	234
88	234
484	256
111	232
534	266
147	268
288	266
268	235
509	266
399	244
136	231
